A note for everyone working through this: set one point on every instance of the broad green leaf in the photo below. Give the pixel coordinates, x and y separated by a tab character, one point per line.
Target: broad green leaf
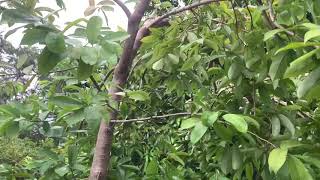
226	162
311	26
62	170
277	158
47	61
287	123
33	36
93	29
89	55
271	33
192	37
190	63
297	169
174	59
115	36
236	158
278	67
74	23
208	118
237	121
275	123
308	83
84	71
152	168
74	118
252	121
106	2
176	158
301	65
311	34
158	65
296	45
249	171
65	101
55	42
310	160
138	95
197	132
22	60
287	144
234	70
189	123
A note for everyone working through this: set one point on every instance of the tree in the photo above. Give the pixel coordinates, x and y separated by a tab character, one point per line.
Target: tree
222	89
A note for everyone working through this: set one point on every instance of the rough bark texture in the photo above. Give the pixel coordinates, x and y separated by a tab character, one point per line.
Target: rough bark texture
104	139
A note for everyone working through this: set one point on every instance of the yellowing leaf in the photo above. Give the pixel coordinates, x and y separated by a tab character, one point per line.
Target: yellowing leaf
277	158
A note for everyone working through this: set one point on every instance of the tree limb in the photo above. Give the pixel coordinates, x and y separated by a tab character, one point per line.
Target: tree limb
163	20
152	117
123	7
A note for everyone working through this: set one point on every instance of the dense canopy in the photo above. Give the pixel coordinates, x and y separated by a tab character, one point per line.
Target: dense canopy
203	89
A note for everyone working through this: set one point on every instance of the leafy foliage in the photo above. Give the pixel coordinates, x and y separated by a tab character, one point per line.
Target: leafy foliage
249	85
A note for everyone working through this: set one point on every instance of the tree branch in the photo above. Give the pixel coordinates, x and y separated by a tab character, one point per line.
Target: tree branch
163	20
123	7
152	117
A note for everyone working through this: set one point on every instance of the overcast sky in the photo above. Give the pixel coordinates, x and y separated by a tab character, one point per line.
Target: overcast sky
75	10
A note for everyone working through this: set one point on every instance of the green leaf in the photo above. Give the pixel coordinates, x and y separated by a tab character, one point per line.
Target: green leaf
271	33
73	23
84	71
62	170
55	42
138	95
72	155
174	59
197	132
296	45
234	70
152	168
237	121
287	123
47	61
275	122
22	60
192	37
301	65
189	123
277	158
74	118
115	36
158	65
176	158
208	118
89	55
33	36
93	29
308	83
236	159
252	121
56	131
297	170
311	34
190	63
287	144
65	101
249	171
278	67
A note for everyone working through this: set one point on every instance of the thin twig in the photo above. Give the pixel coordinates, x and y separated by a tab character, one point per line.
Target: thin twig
152	117
106	78
262	139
